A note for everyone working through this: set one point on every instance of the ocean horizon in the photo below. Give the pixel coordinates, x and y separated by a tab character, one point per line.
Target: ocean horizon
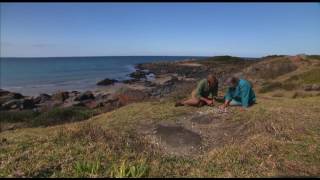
35	75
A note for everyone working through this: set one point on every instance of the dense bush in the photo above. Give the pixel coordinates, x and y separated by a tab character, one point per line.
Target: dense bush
63	115
51	117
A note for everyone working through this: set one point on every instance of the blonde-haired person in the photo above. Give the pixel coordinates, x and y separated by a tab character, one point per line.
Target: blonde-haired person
204	94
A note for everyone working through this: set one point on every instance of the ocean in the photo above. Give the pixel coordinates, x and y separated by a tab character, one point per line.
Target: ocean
32	76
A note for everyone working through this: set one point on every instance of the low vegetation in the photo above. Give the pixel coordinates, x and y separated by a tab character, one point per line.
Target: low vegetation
279	136
29	118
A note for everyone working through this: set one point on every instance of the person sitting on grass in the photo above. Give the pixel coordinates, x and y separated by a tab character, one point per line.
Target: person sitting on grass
239	93
204	94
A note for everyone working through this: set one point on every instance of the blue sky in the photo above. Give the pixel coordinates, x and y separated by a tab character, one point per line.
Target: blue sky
200	29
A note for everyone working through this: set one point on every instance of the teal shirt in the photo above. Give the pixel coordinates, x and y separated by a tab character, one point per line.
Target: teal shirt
242	93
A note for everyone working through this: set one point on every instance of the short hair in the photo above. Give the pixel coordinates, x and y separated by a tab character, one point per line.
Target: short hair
232	81
212	78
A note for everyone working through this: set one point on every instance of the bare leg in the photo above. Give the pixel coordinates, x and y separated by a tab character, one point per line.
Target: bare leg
191	102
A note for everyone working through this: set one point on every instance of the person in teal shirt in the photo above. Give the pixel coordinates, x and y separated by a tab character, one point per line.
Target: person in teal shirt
239	93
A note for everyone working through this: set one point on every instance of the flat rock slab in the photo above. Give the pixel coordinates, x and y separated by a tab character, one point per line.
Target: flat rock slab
202	119
177	139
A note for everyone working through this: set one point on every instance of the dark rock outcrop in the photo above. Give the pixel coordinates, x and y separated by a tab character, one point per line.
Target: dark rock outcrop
12	104
28	104
106	82
138	74
42	98
127	95
85	96
60	96
6	96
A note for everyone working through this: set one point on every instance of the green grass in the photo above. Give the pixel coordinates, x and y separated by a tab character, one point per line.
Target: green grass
134	171
294	82
281	141
271	86
62	115
17	116
220	59
310	77
86	169
314	57
52	117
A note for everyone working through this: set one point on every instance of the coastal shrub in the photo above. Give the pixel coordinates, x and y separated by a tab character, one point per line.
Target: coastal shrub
86	169
63	115
272	56
220	59
314	57
135	171
268	87
309	77
17	116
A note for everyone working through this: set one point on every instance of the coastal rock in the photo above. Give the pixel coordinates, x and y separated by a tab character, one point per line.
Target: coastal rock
130	81
316	87
307	87
138	74
3	92
85	96
12	104
28	104
48	105
60	96
7	96
91	104
127	95
149	84
74	93
41	98
70	103
106	98
106	82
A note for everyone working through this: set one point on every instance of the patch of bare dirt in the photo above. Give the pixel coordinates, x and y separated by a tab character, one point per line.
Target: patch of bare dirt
196	132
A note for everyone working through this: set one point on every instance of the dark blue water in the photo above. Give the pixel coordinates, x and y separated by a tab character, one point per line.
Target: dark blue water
32	76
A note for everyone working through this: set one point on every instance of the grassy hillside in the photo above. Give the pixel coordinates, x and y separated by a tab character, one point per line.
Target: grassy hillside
277	137
278	142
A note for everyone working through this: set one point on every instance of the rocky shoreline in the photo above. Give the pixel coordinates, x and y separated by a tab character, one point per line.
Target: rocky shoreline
149	81
157	81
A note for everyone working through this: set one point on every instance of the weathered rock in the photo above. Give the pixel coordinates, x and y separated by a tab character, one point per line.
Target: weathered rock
138	74
127	95
130	81
28	104
60	96
3	92
41	98
7	96
106	82
48	105
106	98
91	104
85	96
316	87
70	102
307	87
12	104
149	84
